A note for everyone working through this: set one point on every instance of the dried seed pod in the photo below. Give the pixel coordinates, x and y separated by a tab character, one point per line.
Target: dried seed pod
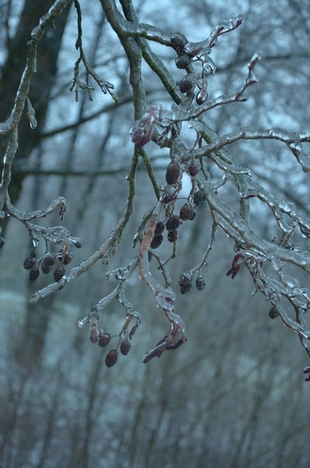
273	313
34	274
156	241
104	339
2	242
200	283
45	269
178	41
173	223
29	262
78	244
172	173
199	197
185	283
111	358
93	335
187	83
183	60
193	168
48	260
67	258
172	236
168	198
187	212
125	346
160	227
59	273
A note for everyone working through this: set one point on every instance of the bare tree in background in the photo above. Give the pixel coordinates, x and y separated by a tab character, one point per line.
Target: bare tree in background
201	169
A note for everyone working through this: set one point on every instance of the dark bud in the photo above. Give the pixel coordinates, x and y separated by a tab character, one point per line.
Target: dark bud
185	283
168	198
193	168
199	197
34	275
273	313
2	242
104	339
201	97
172	236
111	358
183	60
156	241
187	212
187	83
200	283
173	223
45	269
178	42
172	173
67	258
48	260
78	244
125	346
59	273
93	335
29	263
160	227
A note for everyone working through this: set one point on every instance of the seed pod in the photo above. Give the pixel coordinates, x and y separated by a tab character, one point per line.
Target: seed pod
187	212
193	168
156	241
104	339
200	283
173	223
185	283
29	262
183	60
45	269
178	41
67	258
111	358
78	244
59	273
93	335
48	260
172	173
172	236
125	346
199	197
187	83
160	227
2	242
202	96
273	313
34	274
168	198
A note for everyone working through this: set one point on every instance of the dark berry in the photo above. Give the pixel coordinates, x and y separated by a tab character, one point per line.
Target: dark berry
183	60
173	223
172	236
187	212
156	241
104	339
178	41
29	262
111	358
187	83
159	229
273	313
193	168
59	273
185	283
34	274
172	173
199	197
48	260
200	283
125	346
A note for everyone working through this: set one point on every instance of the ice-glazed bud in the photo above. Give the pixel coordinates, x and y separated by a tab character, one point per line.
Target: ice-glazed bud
187	212
29	262
125	346
173	223
93	335
34	274
200	283
104	339
111	358
142	130
172	173
185	283
183	60
178	42
172	236
49	259
156	241
187	83
193	168
59	273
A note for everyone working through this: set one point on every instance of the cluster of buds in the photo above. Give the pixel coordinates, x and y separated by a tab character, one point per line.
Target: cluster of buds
103	338
186	281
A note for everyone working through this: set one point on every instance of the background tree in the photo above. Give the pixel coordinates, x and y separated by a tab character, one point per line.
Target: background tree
231	361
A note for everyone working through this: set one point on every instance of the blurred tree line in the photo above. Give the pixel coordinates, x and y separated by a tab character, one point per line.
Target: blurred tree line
234	395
